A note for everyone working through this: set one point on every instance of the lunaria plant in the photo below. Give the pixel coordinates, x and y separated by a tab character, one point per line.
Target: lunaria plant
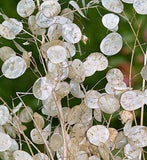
59	129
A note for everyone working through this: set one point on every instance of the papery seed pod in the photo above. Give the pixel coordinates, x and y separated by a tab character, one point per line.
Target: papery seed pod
6	53
111	44
57	54
6	33
110	21
22	155
43	21
86	116
113	134
127	127
108	103
24	115
132	100
98	134
4	114
137	136
37	137
50	107
71	33
41	156
121	140
42	88
94	158
39	120
14	146
14	67
140	6
25	8
67	12
62	90
10	130
78	67
114	76
50	8
113	5
5	142
71	49
91	99
34	27
56	141
98	114
76	90
132	153
125	116
104	151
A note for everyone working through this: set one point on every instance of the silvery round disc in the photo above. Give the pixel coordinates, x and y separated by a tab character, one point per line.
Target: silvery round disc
128	1
14	67
111	44
5	142
140	6
25	8
4	114
22	155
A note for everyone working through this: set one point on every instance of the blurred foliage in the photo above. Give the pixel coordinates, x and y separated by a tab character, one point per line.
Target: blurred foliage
93	28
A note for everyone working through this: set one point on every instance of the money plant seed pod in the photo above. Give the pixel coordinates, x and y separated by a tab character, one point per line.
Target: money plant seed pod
25	8
4	114
71	33
144	72
24	115
132	100
57	54
111	44
108	103
42	88
50	8
128	1
110	21
41	156
98	134
14	67
140	6
113	5
5	142
22	155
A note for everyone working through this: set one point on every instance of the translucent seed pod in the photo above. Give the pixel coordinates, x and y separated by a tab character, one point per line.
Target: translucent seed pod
99	60
6	53
108	103
91	99
137	136
86	116
14	67
58	71
5	142
56	141
98	134
140	6
78	67
54	32
121	140
104	151
125	116
113	5
22	155
50	8
111	44
24	115
113	134
4	114
76	90
98	114
94	158
6	33
132	153
71	49
25	8
110	21
14	146
128	1
67	12
43	21
71	33
13	25
34	27
127	127
39	121
41	156
57	54
132	100
114	76
37	137
42	88
50	107
82	155
62	90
